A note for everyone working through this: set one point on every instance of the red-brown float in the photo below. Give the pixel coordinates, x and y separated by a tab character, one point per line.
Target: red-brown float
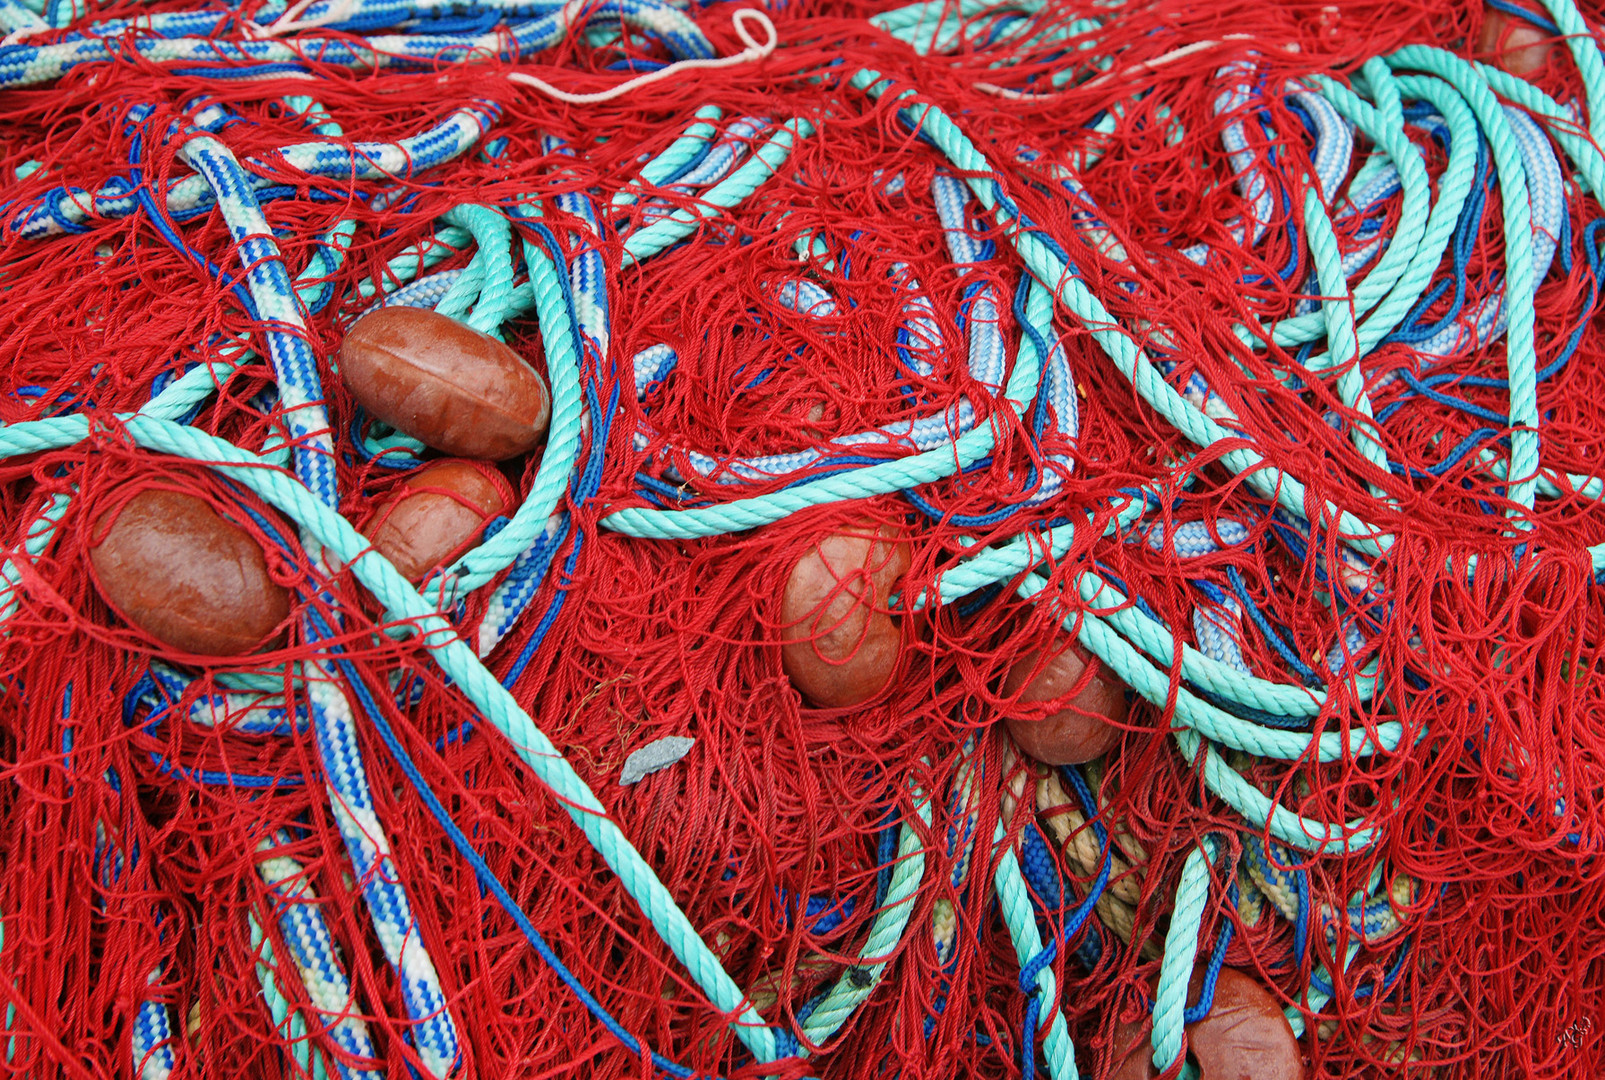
841	642
447	385
172	566
434	515
1086	726
1513	43
1244	1037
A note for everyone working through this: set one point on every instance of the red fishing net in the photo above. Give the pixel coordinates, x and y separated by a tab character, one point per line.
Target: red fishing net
131	866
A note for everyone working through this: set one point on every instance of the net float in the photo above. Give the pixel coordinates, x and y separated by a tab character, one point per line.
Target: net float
170	565
447	385
1086	726
1133	1049
1520	47
433	515
1245	1036
841	643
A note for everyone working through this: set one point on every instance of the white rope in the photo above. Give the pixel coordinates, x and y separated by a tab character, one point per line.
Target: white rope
754	51
291	21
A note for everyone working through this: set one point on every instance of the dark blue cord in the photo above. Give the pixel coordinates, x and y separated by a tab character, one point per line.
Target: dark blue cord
1534	17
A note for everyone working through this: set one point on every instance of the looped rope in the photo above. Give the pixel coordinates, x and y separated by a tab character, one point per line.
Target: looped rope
755	50
290	22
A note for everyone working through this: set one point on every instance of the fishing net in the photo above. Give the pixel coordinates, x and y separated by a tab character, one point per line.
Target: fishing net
1252	348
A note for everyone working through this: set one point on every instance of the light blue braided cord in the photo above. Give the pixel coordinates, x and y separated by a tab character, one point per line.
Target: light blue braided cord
343	543
151	1040
417	258
288	1024
1181	949
317	960
65	210
730	148
1334	141
428	292
1558	121
1218	627
24	65
648	241
882	478
1489	317
333	724
13	17
351	800
587	269
986	366
249	713
285	331
1454	183
1411	175
1014	902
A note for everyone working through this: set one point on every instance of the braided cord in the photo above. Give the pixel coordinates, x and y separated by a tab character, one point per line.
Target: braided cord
284	1019
1014	901
334	726
343	543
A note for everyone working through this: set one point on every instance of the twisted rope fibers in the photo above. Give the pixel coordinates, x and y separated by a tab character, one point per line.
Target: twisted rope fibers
980	467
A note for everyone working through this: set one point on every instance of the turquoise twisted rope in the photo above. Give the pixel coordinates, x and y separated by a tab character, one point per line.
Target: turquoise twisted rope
1181	950
1520	348
883	478
457	659
562	444
670	162
1343	346
644	243
414	260
1386	128
885	933
487	284
1584	153
1586	55
1122	350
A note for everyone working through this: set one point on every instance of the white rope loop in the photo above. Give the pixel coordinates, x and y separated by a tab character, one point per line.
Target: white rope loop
754	51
